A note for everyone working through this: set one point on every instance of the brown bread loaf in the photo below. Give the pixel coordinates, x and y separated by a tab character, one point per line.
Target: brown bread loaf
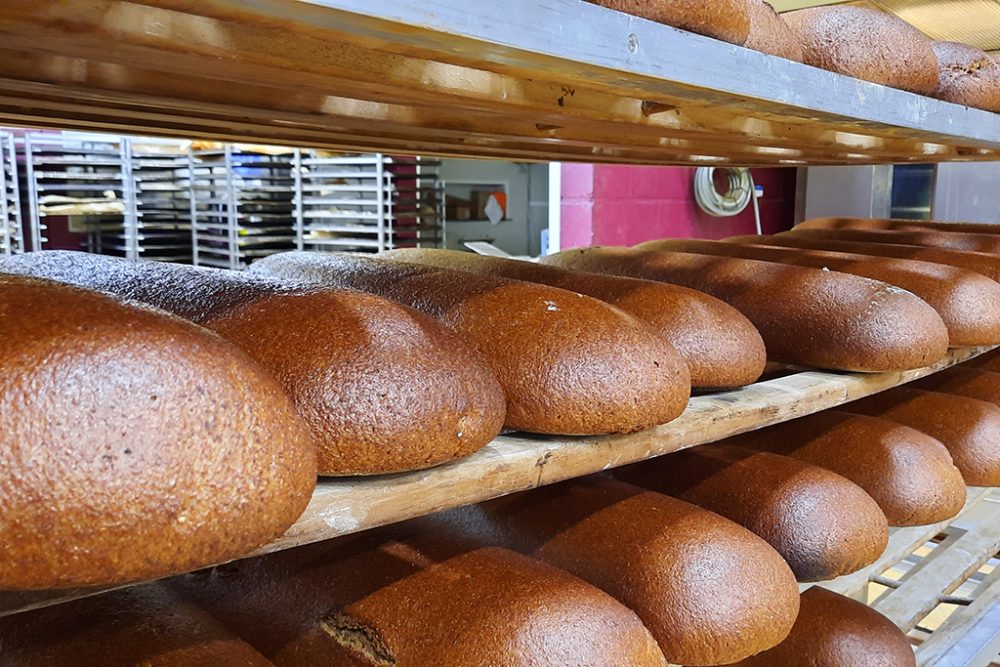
382	387
987	362
719	345
967	75
142	626
709	590
982	385
980	262
968	303
770	34
969	428
955	239
728	20
835	631
806	316
134	444
569	364
898	225
866	44
822	524
388	598
908	473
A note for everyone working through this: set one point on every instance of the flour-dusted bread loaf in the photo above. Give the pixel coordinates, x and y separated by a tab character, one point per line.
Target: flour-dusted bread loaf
392	598
836	631
962	236
967	75
141	626
719	345
709	590
806	316
728	20
968	427
769	33
980	384
382	387
866	44
908	473
968	302
569	364
980	262
134	444
822	524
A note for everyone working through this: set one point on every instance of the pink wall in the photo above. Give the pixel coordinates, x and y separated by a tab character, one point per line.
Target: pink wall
625	205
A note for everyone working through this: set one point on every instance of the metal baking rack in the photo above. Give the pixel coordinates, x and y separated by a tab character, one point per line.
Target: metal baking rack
366	203
82	178
241	205
162	201
11	217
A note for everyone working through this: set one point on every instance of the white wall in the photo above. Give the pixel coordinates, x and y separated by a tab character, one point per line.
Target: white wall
520	233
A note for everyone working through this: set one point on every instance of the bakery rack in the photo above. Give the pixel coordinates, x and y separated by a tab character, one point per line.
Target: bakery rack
435	78
161	215
503	81
241	204
366	202
518	462
11	223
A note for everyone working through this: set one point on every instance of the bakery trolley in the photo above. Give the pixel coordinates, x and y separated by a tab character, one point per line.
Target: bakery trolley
438	79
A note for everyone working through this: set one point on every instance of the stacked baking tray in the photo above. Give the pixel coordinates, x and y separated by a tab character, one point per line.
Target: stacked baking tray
241	204
11	223
369	202
84	178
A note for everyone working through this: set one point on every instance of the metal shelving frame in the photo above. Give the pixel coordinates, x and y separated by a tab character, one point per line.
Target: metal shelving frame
367	202
11	217
242	205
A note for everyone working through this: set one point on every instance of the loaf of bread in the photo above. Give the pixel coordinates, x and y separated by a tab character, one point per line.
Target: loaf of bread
987	362
899	225
969	428
980	262
866	44
955	239
720	346
378	599
142	626
968	303
807	317
382	387
982	385
709	590
836	631
967	76
908	473
129	449
728	20
569	364
822	524
770	34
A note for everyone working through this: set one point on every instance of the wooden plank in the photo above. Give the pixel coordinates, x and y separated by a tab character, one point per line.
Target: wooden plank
388	75
902	542
945	572
971	635
519	462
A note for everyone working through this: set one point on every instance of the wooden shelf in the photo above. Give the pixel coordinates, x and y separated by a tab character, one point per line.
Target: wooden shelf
520	79
919	579
519	462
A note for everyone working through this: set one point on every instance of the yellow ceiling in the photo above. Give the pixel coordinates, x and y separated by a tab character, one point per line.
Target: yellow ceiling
975	22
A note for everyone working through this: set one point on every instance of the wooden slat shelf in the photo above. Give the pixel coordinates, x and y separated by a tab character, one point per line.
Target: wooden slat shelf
520	79
519	462
970	635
